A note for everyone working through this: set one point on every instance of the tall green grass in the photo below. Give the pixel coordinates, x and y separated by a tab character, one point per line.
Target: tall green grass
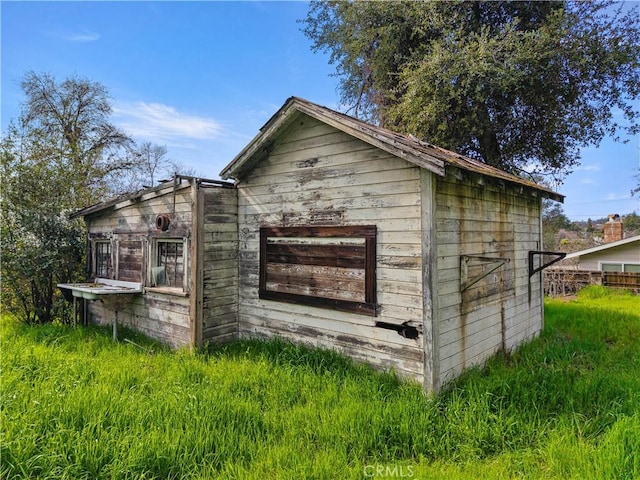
76	405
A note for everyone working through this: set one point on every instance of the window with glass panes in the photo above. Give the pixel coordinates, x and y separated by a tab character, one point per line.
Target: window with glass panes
103	268
169	263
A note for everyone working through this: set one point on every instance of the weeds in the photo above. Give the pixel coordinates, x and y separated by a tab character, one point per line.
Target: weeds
76	405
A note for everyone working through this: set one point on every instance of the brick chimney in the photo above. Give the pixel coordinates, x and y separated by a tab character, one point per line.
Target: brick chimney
613	229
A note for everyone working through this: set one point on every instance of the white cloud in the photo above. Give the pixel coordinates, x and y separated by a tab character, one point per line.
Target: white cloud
84	36
163	124
617	196
596	167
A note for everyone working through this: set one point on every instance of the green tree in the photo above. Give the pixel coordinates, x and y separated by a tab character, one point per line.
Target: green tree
553	220
513	84
631	223
71	120
64	154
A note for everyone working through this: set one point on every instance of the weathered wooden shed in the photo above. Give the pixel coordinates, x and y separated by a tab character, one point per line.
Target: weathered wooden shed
394	251
179	241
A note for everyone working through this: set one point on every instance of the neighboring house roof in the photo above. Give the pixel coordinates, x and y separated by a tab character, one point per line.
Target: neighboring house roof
409	148
606	246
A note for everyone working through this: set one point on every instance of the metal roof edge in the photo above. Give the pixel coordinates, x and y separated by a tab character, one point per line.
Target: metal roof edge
605	246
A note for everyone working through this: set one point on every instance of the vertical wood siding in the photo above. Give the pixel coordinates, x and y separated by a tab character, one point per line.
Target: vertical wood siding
220	265
477	218
317	175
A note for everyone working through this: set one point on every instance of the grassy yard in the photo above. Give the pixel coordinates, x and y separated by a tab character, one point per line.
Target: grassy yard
75	405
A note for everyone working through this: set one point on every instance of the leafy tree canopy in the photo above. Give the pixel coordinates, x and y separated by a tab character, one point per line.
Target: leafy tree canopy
514	84
63	154
66	124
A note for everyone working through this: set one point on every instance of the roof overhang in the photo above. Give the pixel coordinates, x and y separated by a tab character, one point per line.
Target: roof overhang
168	186
409	148
606	246
258	147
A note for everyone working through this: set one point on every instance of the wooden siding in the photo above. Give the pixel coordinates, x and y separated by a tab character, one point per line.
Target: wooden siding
220	265
330	266
130	260
492	225
160	316
131	227
317	175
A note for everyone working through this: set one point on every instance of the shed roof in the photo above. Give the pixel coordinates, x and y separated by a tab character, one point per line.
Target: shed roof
606	246
166	186
408	147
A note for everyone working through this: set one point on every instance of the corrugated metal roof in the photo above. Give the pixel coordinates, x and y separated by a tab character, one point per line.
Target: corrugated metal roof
410	148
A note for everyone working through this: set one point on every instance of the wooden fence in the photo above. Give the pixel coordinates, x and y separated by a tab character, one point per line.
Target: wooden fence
557	282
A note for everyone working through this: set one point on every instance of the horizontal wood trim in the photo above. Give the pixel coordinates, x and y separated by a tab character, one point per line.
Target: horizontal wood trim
367	231
336	274
322	255
321	302
334	292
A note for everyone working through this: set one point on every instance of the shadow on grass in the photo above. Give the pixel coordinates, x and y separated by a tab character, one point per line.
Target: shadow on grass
287	354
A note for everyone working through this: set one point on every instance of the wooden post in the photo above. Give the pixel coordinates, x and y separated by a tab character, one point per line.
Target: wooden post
431	368
196	276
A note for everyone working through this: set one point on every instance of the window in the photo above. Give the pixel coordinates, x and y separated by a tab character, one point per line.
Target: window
620	267
327	267
102	254
611	267
168	267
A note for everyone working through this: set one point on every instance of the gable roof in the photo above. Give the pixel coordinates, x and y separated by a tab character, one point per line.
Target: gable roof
606	246
407	147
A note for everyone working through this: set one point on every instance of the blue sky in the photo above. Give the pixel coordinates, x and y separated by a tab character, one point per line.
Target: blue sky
201	78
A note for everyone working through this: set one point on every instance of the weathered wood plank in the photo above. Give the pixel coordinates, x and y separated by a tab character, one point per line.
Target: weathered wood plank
349	291
337	327
344	179
380	355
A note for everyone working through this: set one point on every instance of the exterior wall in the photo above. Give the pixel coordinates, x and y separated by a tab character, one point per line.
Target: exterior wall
220	264
316	175
159	314
481	220
629	253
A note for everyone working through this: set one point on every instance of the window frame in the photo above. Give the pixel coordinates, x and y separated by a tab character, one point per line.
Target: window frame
367	232
623	266
96	243
154	246
612	265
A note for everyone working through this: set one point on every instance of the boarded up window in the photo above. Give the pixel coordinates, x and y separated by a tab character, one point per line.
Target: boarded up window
130	260
329	267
